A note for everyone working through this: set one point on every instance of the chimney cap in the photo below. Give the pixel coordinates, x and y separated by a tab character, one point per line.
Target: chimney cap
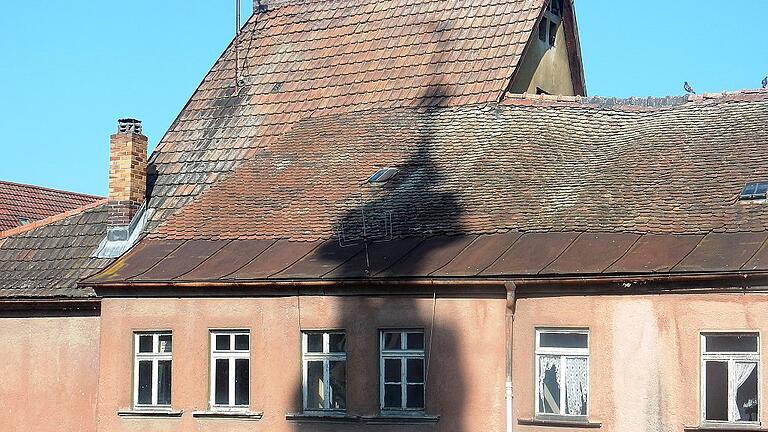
128	125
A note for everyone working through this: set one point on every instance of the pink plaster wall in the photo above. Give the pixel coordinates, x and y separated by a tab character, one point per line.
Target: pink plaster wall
644	354
465	381
49	374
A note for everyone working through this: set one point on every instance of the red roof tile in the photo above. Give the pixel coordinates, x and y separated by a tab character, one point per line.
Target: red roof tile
20	201
315	58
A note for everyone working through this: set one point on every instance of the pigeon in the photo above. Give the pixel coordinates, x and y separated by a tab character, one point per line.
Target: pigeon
765	82
688	88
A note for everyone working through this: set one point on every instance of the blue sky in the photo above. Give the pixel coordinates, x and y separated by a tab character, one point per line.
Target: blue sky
70	68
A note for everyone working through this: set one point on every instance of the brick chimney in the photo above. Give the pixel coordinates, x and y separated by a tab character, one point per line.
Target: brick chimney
127	175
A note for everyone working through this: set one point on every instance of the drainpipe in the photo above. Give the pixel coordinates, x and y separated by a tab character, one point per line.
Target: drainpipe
509	318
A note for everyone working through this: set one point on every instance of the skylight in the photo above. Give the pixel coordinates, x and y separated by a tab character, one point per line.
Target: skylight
383	175
23	220
754	191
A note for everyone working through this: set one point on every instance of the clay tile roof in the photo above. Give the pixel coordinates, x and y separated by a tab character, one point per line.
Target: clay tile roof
47	260
676	169
21	201
486	191
320	58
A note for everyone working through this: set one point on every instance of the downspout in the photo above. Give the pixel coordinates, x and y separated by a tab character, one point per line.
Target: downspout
509	318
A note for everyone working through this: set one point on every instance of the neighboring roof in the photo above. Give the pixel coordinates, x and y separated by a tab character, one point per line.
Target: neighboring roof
48	260
563	166
315	58
35	203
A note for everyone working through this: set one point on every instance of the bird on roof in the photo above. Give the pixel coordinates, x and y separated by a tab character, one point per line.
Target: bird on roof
688	88
765	82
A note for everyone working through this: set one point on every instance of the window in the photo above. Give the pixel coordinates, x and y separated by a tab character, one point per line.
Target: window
754	191
325	371
383	175
402	370
230	369
729	377
562	372
152	369
550	22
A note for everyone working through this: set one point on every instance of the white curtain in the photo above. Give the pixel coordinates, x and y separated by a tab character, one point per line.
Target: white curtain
547	363
742	373
576	384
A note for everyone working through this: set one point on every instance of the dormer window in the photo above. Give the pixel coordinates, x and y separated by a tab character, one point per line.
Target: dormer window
754	191
550	22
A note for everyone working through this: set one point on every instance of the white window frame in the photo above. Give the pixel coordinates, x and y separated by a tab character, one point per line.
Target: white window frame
154	357
403	354
326	357
563	353
230	355
731	358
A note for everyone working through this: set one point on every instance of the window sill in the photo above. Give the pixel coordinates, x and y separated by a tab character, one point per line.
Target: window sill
149	413
394	419
714	427
321	417
559	422
234	415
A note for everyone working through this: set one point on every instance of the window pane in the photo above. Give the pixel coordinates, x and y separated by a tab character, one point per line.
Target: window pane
392	341
576	379
731	343
415	341
241	342
392	372
338	375
746	391
315	342
562	340
415	396
164	382
392	396
145	343
716	390
145	382
415	371
164	344
315	385
222	342
543	29
552	32
241	380
549	384
337	342
221	395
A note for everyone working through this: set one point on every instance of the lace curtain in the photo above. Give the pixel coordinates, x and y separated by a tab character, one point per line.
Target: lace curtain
576	376
743	371
547	363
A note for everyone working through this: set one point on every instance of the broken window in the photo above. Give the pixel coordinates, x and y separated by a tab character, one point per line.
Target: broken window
152	369
230	369
562	372
730	367
325	371
402	370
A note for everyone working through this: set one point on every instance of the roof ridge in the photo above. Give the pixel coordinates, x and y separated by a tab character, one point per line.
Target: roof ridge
633	102
50	219
51	189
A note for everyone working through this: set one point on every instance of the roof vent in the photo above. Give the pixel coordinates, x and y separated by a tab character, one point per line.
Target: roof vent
754	191
383	175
